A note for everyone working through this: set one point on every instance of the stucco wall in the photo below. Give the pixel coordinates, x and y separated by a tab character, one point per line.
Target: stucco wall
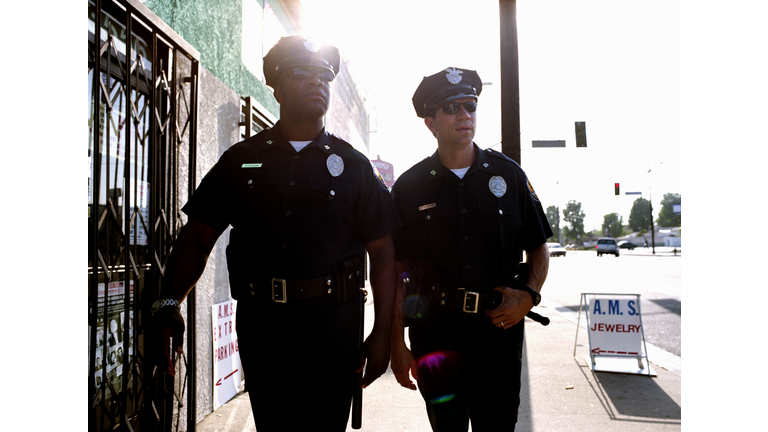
218	129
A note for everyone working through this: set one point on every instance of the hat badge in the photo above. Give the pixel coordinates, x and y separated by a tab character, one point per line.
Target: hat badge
311	46
454	75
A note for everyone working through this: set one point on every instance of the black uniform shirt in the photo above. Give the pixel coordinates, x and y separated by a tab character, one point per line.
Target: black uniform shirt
466	233
293	214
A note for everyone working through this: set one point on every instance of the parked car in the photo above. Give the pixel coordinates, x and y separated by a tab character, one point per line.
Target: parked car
556	250
627	245
607	245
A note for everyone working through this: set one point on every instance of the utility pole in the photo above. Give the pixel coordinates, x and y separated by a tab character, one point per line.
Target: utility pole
650	205
510	80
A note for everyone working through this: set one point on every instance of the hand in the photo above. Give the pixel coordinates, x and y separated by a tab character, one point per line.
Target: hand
167	323
403	363
514	306
374	357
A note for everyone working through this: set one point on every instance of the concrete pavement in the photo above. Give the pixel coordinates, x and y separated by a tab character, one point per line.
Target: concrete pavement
560	393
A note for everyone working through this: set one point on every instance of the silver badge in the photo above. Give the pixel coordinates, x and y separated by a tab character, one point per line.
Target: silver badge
311	46
498	186
335	165
454	75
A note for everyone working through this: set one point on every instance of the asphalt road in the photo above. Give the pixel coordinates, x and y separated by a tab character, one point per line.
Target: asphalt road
655	277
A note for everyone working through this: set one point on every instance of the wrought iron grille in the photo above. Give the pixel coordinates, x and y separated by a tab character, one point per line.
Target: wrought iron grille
142	120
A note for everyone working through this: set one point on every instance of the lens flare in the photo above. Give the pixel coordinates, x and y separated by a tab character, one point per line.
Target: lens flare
416	307
439	373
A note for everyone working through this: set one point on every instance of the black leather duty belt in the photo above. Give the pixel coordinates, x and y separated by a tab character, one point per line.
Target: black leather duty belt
282	290
469	301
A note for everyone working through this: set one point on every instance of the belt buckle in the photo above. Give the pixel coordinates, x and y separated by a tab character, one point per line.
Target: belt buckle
279	291
471	301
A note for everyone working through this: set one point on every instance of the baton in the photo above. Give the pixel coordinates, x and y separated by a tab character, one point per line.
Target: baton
538	318
357	397
522	277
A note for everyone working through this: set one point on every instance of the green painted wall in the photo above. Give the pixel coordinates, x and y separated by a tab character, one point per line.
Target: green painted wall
214	28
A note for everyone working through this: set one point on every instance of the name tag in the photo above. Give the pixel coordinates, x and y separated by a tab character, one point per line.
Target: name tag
427	206
251	165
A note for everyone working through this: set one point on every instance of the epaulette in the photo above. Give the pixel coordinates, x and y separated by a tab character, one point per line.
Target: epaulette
339	139
500	155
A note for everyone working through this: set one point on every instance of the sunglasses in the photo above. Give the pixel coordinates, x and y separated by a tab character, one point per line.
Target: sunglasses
299	73
454	107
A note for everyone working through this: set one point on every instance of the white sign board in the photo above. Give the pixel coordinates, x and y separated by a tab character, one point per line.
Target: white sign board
614	326
227	371
616	336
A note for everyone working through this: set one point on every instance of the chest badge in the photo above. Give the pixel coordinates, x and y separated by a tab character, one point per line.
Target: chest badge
498	186
335	165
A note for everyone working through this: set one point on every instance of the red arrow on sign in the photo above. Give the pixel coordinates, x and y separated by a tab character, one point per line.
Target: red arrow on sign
598	351
218	383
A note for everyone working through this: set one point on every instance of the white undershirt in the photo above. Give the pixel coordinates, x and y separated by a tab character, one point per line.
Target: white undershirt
299	145
460	172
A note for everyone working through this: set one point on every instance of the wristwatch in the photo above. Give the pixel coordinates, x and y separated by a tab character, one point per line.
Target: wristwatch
159	304
536	297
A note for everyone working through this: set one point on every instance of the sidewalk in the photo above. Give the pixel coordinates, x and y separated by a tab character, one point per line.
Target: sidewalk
559	391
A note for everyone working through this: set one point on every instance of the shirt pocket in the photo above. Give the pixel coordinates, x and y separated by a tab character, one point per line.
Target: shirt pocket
433	232
332	198
256	195
500	218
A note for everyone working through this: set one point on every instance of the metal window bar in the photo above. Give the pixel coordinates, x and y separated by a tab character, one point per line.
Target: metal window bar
137	126
254	118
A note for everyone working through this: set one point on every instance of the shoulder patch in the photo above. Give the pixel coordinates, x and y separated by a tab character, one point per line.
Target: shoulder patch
533	192
378	176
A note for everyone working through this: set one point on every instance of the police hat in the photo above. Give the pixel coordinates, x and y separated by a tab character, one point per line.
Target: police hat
291	51
445	86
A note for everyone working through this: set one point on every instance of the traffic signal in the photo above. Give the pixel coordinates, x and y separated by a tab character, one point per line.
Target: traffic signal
616	188
581	134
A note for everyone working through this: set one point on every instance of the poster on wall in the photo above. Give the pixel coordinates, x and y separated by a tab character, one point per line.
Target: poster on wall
111	346
227	372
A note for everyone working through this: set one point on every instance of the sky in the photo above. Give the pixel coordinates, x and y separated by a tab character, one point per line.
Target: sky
614	65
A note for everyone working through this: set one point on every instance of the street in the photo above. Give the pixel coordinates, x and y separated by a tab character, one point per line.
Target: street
655	277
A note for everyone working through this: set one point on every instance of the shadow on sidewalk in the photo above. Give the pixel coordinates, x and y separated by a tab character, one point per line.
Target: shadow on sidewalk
631	397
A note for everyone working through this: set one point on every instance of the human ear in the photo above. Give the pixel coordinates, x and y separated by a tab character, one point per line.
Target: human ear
430	122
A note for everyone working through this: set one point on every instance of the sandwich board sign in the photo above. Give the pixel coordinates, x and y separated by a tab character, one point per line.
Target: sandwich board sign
227	371
616	336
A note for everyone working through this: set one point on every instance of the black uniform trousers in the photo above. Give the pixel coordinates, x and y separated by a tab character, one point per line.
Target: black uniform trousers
299	360
468	369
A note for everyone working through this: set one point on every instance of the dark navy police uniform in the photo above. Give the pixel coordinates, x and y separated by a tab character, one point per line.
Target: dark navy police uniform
468	232
300	221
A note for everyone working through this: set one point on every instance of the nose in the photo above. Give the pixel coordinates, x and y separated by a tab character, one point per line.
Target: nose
314	80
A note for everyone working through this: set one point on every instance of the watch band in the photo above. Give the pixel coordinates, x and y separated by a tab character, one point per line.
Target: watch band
161	303
535	296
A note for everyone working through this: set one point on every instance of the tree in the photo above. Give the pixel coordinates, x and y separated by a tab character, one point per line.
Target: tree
667	216
575	218
553	216
640	215
613	224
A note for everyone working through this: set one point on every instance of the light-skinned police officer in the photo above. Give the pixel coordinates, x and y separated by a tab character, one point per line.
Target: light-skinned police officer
466	214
